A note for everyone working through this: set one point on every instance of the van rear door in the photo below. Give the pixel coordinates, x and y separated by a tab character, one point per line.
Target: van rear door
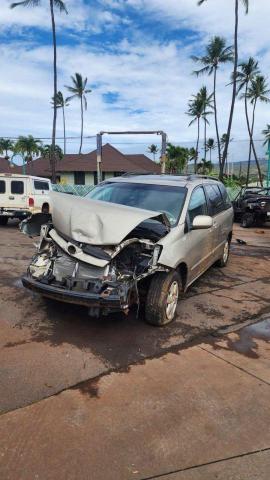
16	193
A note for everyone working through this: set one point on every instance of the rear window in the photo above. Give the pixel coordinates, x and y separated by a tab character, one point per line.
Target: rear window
2	186
40	185
17	187
215	199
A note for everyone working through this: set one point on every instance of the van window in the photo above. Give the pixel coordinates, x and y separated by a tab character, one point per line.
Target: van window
215	199
225	196
17	187
2	186
40	185
197	204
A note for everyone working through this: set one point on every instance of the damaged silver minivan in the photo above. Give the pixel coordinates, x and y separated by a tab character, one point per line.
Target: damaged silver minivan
133	240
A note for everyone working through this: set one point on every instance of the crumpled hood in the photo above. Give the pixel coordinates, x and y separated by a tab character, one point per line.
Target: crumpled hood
96	222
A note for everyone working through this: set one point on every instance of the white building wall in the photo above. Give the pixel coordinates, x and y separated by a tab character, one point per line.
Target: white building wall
67	178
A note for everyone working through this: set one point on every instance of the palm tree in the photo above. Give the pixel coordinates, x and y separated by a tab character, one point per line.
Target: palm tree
60	102
5	146
205	166
53	153
208	103
235	59
266	133
210	146
247	71
257	91
154	150
28	147
60	5
216	53
196	110
177	158
79	90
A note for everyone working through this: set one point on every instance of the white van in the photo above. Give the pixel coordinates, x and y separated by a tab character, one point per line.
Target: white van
23	195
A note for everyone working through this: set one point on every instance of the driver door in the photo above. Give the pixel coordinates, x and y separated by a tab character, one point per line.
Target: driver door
200	242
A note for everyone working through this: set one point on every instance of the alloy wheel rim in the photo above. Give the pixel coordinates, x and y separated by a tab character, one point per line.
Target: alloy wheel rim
172	300
226	252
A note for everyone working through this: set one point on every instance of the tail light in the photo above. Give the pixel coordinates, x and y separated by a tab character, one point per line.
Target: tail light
31	202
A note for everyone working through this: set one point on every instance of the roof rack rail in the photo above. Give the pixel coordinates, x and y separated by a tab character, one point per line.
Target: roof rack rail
193	176
131	174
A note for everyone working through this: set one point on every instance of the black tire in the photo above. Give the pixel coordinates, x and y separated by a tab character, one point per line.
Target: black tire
157	296
45	208
222	262
3	220
247	220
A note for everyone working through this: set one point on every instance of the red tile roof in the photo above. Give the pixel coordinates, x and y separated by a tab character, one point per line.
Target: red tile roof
112	161
7	167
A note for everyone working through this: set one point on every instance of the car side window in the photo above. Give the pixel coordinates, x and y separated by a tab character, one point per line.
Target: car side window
197	204
225	196
215	199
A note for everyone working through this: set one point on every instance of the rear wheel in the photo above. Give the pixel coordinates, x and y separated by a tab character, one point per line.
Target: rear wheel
222	262
162	298
3	220
247	220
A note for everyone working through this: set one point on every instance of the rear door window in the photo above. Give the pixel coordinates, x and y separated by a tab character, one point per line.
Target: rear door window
41	185
17	187
225	196
216	204
197	204
2	186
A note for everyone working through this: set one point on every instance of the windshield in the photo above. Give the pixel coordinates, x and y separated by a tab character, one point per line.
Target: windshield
158	198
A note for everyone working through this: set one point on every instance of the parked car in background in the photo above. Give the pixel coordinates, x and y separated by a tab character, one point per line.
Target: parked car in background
22	196
252	206
132	240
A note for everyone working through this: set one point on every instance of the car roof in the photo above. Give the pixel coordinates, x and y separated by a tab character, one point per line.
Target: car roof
173	180
19	175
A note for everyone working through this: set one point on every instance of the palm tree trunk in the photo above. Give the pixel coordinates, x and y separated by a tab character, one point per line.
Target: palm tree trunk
205	126
64	128
216	120
80	149
210	153
225	151
250	143
197	145
54	93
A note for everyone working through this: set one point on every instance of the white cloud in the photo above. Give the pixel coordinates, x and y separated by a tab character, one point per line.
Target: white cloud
149	75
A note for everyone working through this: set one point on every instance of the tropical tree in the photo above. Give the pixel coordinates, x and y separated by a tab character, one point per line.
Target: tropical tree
210	146
177	158
79	90
196	110
53	4
205	166
29	148
266	133
208	103
154	150
217	53
6	145
53	153
191	156
235	60
60	102
258	91
247	71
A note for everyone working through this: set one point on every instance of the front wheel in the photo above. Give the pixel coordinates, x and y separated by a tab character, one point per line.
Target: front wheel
162	298
247	220
3	220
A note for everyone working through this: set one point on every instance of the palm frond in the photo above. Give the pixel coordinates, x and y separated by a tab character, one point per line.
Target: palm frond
60	5
26	3
246	5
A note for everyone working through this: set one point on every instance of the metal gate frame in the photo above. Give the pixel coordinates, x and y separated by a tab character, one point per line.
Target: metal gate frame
155	132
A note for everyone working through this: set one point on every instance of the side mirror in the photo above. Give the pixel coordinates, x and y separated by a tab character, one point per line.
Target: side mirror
202	222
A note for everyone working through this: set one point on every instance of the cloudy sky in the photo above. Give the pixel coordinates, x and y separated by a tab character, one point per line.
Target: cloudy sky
136	56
